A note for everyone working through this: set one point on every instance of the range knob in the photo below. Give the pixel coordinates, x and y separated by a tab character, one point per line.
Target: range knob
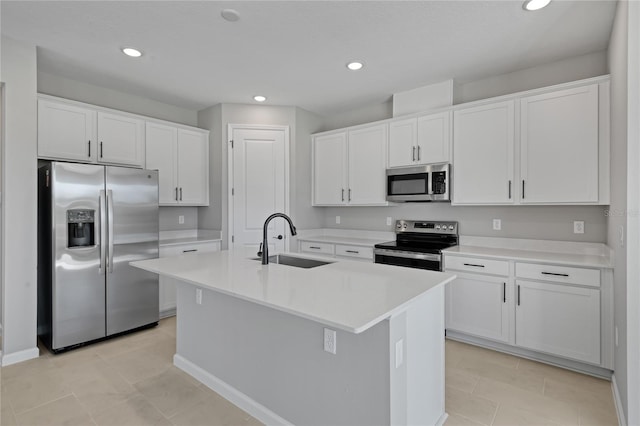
398	226
438	227
451	227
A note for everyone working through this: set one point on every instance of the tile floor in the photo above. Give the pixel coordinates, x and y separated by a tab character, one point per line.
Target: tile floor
131	381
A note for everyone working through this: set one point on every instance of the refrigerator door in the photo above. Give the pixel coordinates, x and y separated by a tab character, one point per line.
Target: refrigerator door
78	296
133	228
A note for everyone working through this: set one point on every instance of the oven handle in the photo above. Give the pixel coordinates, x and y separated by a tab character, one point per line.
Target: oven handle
408	255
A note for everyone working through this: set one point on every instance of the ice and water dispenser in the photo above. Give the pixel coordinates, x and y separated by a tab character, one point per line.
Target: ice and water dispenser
80	228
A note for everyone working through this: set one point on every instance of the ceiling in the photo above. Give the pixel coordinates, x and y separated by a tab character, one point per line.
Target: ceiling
295	52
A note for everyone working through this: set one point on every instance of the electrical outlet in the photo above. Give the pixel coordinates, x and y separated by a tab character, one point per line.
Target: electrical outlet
199	296
616	336
389	221
578	227
399	352
330	341
338	220
497	224
181	219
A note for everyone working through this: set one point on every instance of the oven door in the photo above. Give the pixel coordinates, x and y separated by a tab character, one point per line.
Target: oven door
430	261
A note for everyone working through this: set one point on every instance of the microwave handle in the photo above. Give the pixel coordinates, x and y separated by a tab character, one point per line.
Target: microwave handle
430	183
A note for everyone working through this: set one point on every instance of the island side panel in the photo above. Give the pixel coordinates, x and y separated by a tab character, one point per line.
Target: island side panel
277	359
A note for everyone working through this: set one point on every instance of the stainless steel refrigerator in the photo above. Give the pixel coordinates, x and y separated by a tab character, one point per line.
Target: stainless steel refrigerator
92	221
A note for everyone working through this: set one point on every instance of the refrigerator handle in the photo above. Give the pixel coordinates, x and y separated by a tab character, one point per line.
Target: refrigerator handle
102	232
110	231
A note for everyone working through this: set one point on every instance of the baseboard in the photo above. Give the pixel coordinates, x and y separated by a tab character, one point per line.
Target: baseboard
16	357
443	418
167	313
622	421
230	393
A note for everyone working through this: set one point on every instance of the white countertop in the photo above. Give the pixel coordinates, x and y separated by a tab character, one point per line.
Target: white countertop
367	242
560	258
351	296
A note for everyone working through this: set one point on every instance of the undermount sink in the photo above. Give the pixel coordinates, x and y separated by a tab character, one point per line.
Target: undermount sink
298	262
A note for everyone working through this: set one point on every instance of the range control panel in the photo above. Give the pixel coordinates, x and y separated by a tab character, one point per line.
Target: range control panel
426	227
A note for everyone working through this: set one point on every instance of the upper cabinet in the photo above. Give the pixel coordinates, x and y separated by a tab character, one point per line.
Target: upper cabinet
420	140
483	171
72	131
349	167
181	157
544	148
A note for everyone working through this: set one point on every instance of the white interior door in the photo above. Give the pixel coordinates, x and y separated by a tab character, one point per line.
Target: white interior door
258	187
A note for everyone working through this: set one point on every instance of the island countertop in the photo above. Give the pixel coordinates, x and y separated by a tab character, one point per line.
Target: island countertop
351	296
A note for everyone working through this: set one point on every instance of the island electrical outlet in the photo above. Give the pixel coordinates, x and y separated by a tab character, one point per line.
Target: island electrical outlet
330	341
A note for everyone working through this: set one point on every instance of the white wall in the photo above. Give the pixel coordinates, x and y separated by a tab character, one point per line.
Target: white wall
616	222
19	201
109	98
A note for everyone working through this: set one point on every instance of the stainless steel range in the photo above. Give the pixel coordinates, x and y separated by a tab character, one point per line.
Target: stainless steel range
418	244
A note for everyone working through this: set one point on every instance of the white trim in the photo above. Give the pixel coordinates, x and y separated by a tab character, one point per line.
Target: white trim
20	356
230	393
443	418
287	166
622	421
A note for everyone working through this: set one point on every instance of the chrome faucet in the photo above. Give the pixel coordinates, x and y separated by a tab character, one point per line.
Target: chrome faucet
264	246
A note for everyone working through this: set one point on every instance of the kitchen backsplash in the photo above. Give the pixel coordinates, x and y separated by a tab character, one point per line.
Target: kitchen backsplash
170	218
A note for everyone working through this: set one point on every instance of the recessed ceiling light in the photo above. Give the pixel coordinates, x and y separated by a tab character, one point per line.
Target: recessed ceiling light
355	66
230	15
130	51
532	5
259	98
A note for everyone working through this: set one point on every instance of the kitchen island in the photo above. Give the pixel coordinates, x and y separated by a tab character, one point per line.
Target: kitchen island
258	335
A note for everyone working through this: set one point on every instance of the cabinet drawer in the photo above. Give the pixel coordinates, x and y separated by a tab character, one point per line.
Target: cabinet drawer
354	251
562	274
474	264
177	250
311	247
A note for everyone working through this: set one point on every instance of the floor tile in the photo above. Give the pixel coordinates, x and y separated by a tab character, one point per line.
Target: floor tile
597	396
460	379
470	406
169	392
31	390
457	420
213	410
65	411
136	411
139	364
484	367
7	418
514	416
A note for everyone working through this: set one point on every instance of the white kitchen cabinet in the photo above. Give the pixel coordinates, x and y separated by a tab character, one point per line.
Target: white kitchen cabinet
167	291
330	169
349	167
356	252
478	303
559	146
558	319
483	158
120	139
66	131
182	159
420	140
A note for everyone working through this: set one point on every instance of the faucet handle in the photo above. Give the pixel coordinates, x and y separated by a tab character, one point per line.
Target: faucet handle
260	250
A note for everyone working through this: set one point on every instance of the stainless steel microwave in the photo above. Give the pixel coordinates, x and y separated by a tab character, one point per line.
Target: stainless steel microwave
430	182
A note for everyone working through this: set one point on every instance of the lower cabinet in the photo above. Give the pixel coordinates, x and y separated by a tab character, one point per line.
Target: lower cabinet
558	319
168	285
477	304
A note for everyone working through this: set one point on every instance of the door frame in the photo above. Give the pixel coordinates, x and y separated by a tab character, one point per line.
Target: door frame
230	211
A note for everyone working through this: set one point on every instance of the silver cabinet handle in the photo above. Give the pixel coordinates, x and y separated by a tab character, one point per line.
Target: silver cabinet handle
518	295
418	152
89	143
314	247
180	193
342	194
413	154
352	251
504	292
509	189
349	194
110	231
189	251
100	149
474	265
176	193
523	189
102	232
555	274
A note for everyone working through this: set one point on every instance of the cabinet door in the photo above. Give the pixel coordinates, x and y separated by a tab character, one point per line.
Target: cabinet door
483	139
161	154
478	305
402	142
559	320
367	165
329	169
193	168
121	139
66	131
434	138
559	146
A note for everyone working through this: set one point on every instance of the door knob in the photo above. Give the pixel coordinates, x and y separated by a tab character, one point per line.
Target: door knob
279	237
